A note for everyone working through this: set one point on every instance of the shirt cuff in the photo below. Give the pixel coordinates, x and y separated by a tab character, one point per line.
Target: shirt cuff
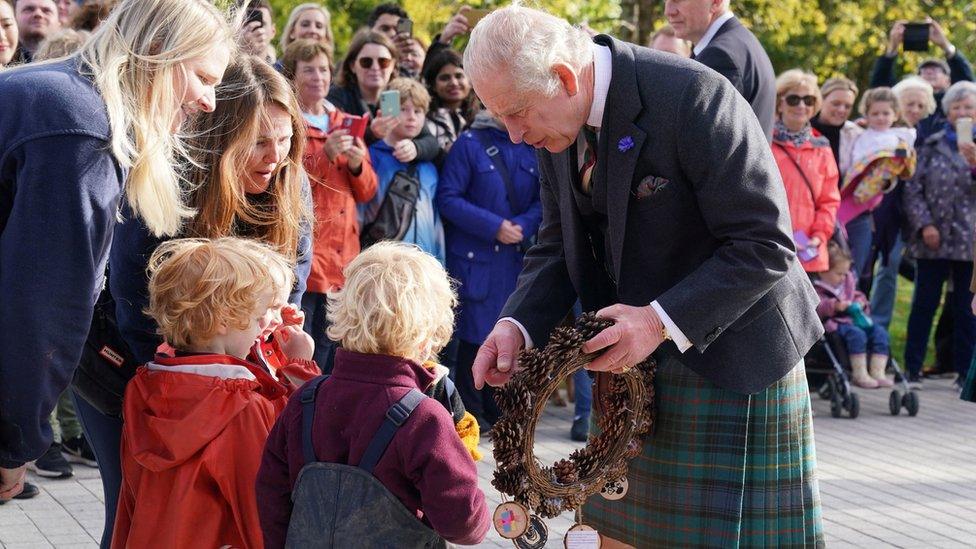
676	334
525	333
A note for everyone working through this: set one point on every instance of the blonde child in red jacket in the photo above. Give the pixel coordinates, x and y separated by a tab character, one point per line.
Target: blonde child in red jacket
196	422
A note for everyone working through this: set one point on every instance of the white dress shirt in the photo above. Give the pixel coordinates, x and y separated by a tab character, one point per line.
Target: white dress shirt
710	33
602	71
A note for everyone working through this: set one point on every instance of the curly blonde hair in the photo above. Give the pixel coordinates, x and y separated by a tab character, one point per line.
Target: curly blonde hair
196	286
397	300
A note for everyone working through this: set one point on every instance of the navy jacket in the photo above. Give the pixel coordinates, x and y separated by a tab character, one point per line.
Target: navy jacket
736	54
59	193
134	244
473	202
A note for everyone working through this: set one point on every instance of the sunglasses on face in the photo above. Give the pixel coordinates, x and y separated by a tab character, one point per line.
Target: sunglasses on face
367	62
794	100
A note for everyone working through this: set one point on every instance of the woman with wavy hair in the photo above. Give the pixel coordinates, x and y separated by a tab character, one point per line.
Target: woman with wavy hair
110	120
247	181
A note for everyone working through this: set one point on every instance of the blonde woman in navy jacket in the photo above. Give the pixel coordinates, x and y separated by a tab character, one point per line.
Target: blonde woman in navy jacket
487	233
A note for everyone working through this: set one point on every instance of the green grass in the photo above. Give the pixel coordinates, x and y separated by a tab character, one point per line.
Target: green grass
899	324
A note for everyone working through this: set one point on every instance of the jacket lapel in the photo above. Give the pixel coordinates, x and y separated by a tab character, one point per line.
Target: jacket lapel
621	142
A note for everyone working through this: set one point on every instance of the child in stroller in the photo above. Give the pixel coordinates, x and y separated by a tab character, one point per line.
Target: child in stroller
844	310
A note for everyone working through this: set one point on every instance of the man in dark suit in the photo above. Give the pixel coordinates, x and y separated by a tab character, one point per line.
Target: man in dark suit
679	233
724	45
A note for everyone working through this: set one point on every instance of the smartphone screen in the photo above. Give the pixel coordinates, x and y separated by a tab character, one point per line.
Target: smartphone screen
405	26
964	130
916	37
390	103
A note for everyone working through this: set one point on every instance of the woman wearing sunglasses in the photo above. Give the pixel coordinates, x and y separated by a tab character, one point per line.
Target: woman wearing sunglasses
808	167
366	70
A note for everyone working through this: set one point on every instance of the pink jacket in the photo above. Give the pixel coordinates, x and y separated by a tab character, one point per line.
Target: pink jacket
813	207
827	310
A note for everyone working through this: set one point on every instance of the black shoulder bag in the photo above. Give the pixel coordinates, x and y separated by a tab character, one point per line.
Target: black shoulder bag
396	211
106	364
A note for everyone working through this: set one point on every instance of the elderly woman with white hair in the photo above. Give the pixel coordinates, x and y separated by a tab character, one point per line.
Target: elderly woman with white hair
917	101
940	203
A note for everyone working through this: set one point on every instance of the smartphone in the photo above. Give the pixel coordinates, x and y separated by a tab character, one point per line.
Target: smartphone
405	26
390	103
803	249
964	130
355	125
916	37
254	15
474	15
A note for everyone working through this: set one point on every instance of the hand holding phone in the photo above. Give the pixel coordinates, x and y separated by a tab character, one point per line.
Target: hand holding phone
390	103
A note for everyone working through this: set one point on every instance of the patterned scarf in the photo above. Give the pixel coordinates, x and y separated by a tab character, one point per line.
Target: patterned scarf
784	135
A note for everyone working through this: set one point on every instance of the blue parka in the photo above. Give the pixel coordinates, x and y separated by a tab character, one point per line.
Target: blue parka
473	202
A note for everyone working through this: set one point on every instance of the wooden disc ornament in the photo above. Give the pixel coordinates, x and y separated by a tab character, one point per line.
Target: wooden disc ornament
511	520
615	489
581	536
535	537
627	417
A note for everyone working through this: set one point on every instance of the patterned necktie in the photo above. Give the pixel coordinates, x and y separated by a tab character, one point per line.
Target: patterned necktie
589	159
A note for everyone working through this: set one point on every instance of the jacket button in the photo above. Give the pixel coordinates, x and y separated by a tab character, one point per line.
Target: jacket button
470	255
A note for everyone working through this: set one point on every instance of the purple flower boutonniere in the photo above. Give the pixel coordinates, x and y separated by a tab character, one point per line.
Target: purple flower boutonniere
625	144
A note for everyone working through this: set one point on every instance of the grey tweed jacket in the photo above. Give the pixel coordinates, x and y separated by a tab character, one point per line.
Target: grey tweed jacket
697	220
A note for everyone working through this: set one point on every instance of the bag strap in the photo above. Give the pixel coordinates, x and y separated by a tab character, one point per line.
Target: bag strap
803	174
308	416
496	158
395	417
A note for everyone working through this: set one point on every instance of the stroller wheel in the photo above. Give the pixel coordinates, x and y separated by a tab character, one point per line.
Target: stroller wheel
910	401
853	406
836	408
894	402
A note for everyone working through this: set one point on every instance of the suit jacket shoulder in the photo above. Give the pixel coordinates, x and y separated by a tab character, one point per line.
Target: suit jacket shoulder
734	52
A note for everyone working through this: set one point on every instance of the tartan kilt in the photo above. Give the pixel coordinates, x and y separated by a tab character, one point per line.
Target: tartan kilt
721	469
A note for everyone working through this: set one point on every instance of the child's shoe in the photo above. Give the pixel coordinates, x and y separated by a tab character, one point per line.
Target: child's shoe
877	370
859	372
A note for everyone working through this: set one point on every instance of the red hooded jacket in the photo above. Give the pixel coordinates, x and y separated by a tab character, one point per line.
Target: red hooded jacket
194	430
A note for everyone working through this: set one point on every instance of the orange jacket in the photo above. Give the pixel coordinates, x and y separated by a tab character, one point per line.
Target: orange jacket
194	432
813	212
335	192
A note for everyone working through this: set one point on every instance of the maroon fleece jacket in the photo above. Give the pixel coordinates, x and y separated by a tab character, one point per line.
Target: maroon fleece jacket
425	466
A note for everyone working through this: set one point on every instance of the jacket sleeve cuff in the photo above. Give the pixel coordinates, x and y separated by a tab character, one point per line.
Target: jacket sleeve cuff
676	334
525	333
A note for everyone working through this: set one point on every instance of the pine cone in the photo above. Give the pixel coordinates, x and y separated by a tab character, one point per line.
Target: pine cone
566	472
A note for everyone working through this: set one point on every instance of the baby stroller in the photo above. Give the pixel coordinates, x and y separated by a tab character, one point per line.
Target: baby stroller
828	361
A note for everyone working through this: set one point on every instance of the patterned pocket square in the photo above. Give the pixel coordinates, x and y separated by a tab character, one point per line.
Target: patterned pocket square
650	185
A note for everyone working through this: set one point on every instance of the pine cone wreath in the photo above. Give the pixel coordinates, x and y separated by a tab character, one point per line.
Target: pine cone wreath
627	417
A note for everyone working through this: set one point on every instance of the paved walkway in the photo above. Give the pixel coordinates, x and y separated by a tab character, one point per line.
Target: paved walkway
886	481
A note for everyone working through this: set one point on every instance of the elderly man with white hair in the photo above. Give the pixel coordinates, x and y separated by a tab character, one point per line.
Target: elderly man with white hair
662	210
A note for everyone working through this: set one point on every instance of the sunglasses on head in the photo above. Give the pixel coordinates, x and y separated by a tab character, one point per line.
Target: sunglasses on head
367	62
794	100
